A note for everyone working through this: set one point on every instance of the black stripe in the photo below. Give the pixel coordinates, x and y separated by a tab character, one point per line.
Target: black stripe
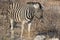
29	14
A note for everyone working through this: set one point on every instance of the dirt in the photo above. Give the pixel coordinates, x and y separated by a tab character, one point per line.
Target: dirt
51	21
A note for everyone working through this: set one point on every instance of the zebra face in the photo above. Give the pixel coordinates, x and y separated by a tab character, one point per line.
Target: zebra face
35	8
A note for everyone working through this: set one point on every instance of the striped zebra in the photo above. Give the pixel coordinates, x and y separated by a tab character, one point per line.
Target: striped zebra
23	14
20	14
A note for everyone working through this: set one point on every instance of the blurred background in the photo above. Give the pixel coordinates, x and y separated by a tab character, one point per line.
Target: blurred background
48	26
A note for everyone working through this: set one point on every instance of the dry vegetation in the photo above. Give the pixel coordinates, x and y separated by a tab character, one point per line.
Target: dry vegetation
51	20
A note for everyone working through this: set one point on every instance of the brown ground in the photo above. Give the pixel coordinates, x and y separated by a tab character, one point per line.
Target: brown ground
51	19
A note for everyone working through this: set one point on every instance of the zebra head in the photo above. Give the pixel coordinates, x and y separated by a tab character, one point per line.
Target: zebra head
34	9
38	9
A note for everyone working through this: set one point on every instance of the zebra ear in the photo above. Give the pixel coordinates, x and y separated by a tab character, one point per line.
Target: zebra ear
36	6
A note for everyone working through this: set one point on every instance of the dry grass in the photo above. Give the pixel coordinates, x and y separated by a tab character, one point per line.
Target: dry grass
37	25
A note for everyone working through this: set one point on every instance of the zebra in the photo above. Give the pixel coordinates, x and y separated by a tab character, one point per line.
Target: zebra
20	15
23	14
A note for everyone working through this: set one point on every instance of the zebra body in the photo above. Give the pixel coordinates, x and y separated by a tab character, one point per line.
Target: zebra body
20	13
23	14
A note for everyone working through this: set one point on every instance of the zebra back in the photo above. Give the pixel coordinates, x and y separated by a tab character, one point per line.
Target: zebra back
14	10
19	13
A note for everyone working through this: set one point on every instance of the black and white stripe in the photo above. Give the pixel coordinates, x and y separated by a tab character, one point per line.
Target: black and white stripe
19	13
14	12
23	14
